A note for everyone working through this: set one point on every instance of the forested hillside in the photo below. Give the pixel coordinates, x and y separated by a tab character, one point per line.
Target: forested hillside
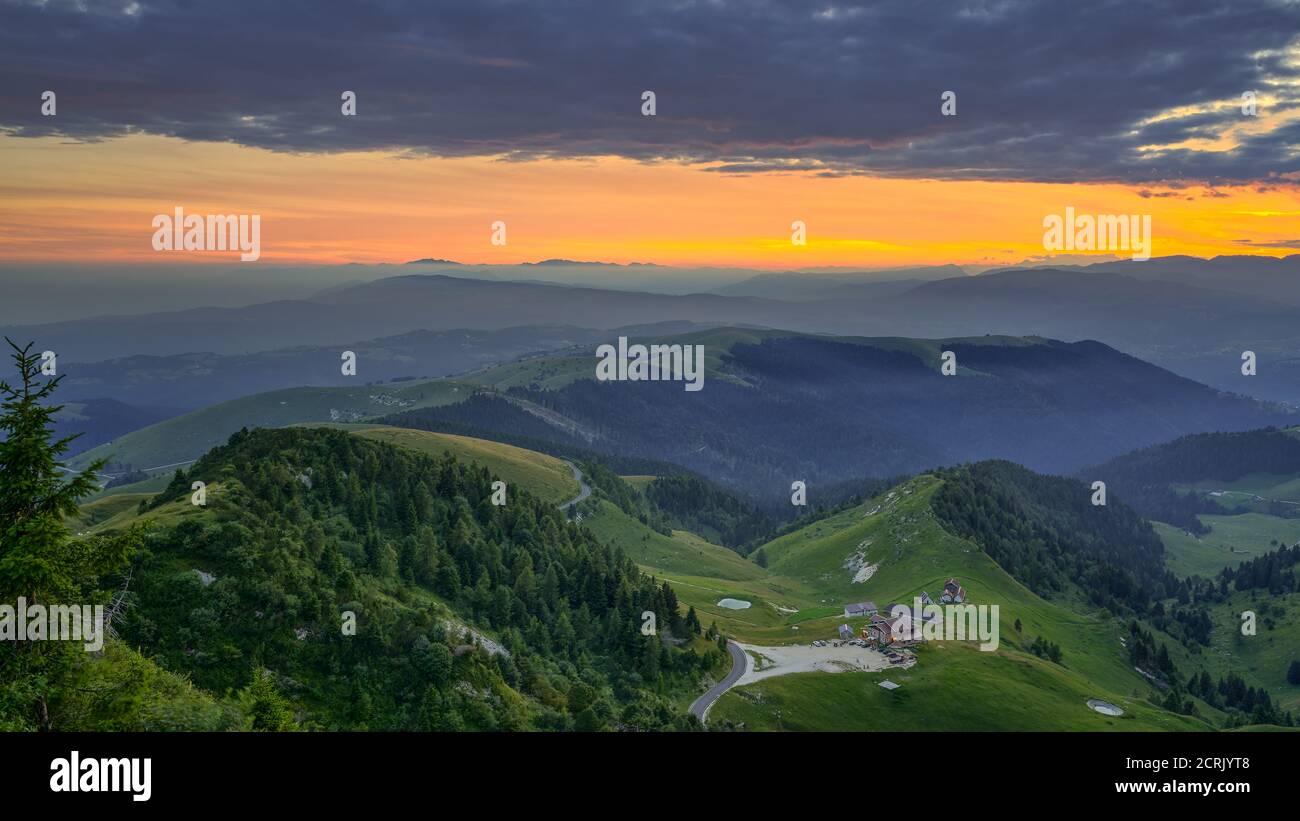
58	685
685	502
1143	478
780	407
307	526
1045	531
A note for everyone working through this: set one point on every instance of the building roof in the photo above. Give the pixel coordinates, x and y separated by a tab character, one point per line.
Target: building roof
860	607
882	622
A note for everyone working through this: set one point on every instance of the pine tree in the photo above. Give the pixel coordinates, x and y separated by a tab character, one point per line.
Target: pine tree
693	622
650	659
39	559
267	709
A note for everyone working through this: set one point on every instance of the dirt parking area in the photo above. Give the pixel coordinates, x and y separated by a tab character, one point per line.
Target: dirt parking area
802	658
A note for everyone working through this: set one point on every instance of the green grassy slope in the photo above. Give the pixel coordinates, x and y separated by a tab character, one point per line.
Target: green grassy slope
1280	486
1261	659
109	507
544	476
800	596
119	511
1259	506
639	482
899	533
702	574
682	553
187	437
154	484
952	687
1231	540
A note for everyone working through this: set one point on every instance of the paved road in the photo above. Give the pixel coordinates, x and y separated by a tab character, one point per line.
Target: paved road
584	489
739	664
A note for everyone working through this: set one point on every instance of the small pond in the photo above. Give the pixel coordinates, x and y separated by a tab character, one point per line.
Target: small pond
1105	707
734	604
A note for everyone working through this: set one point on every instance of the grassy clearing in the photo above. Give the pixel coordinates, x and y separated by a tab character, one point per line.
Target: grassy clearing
682	553
1263	658
119	511
97	512
638	482
153	485
1242	491
1231	540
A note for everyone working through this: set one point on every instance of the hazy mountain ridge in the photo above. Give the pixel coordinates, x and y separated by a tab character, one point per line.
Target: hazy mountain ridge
826	410
194	380
1146	477
1179	324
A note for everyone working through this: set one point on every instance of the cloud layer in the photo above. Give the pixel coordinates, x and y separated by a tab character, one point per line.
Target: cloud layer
1051	91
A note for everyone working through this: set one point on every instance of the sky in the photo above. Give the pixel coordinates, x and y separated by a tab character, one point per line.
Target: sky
531	114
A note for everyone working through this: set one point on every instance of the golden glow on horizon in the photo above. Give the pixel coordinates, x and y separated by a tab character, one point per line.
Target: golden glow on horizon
93	202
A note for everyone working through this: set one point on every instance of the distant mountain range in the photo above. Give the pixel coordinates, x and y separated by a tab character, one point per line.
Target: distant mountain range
807	286
387	307
435	324
776	407
96	420
195	380
1272	278
781	407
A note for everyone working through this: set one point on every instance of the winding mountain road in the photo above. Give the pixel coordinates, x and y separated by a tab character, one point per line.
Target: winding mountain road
739	666
584	489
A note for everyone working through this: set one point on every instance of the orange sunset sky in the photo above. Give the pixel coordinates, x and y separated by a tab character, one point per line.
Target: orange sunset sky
68	201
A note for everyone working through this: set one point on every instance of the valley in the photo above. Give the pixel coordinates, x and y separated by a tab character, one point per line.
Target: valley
886	548
1126	606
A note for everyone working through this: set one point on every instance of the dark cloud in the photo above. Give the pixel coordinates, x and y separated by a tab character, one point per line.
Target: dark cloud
1281	243
1045	90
